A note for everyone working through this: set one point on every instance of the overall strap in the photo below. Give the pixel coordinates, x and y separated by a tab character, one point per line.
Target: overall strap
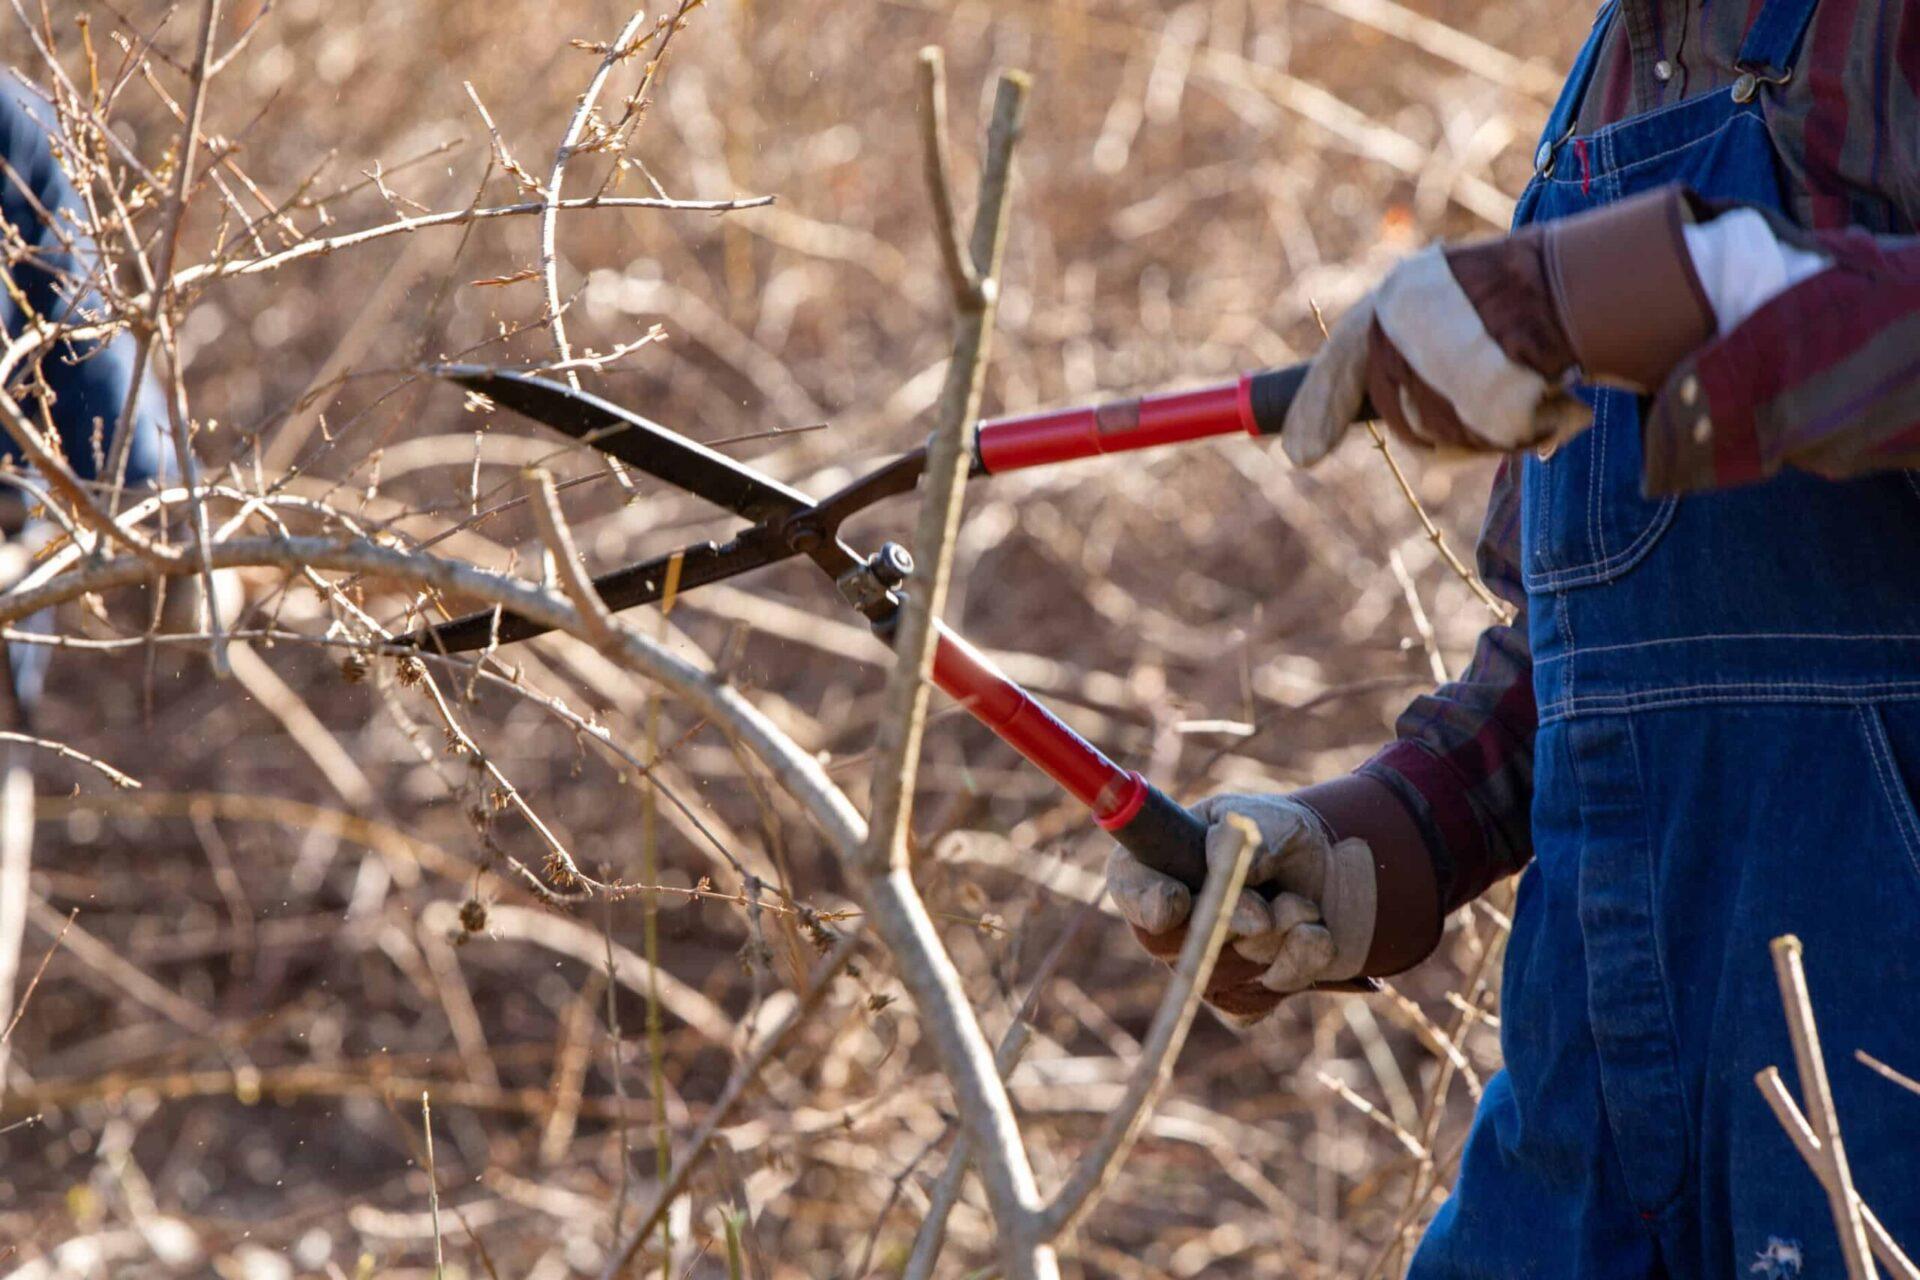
1767	52
1566	110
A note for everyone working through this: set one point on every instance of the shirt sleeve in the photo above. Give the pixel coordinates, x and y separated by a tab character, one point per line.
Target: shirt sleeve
1824	377
1462	759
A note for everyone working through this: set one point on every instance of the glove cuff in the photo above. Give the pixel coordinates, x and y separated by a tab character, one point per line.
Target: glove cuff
1625	289
1407	915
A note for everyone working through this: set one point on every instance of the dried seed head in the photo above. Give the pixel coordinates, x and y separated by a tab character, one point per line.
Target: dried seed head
411	671
559	871
473	915
354	667
816	929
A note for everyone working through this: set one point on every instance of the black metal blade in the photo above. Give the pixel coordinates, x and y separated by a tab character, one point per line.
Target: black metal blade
636	584
648	446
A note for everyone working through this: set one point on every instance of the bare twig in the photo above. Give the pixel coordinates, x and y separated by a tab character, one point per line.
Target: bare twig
696	1148
1880	1068
916	635
65	752
433	1187
1498	607
539	493
962	279
177	401
550	215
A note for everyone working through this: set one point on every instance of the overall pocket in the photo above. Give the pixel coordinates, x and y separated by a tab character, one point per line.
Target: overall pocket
1891	731
1585	521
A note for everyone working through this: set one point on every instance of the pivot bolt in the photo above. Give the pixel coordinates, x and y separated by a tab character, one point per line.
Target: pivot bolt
892	564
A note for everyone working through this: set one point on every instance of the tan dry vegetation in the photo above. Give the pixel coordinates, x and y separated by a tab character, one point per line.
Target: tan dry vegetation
277	950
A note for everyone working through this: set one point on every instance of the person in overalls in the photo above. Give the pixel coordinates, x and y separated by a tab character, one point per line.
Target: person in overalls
52	268
1700	353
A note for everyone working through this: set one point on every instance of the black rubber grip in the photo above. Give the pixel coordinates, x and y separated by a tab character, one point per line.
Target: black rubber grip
1168	837
1271	394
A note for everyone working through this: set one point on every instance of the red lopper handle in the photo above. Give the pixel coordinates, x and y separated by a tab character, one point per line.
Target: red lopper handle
1153	826
1257	404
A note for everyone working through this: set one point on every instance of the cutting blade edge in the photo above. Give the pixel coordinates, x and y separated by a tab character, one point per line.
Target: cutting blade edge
640	443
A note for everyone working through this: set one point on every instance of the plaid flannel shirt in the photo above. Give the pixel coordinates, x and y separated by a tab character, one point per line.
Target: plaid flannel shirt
1825	377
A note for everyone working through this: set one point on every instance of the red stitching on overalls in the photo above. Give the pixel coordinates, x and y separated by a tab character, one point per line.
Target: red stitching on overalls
1586	169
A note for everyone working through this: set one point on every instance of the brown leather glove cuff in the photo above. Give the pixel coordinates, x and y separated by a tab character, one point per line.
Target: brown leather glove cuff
1408	920
1625	289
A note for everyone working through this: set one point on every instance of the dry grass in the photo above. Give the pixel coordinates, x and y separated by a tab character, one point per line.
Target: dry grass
341	886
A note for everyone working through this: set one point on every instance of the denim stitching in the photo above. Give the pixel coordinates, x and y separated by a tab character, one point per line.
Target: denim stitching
1687	1158
1863	637
1568	708
1891	786
1612	566
1694	141
1595	496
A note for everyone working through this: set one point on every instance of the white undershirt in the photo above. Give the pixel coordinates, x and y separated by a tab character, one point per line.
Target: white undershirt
1742	265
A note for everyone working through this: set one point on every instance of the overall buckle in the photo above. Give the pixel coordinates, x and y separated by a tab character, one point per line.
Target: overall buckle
1748	82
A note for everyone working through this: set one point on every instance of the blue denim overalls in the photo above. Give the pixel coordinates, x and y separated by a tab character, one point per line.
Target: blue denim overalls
1729	749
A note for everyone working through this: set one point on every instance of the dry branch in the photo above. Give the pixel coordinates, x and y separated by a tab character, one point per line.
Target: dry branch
620	49
1832	1171
1801	1134
1207	933
899	916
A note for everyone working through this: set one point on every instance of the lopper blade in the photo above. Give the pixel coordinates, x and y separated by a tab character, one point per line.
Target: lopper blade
637	584
649	447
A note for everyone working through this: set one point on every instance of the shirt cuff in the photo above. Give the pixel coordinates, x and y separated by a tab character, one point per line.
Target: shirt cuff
1699	431
1709	428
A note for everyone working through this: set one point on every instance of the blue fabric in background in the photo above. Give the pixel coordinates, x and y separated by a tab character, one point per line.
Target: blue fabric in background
90	384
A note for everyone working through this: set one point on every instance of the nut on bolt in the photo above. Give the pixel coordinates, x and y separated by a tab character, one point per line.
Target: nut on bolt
892	564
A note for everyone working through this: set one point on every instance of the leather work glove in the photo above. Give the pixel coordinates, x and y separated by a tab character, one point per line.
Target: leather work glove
1318	928
1475	347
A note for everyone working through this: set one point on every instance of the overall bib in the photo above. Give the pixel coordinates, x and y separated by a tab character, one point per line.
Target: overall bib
1729	749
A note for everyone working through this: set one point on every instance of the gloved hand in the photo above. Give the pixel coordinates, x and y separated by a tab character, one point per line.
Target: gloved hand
1319	927
1473	347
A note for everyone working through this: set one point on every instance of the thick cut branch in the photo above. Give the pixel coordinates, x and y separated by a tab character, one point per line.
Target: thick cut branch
1832	1170
902	723
1101	1164
1800	1133
898	914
